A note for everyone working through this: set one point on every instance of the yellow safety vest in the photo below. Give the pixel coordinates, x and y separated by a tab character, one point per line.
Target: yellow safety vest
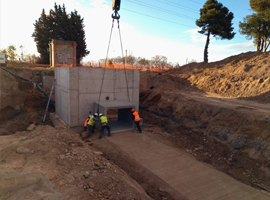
91	122
103	119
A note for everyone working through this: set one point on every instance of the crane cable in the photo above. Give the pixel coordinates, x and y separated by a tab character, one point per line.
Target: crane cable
107	58
123	57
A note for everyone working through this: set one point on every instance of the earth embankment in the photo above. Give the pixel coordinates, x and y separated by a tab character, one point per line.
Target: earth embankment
219	112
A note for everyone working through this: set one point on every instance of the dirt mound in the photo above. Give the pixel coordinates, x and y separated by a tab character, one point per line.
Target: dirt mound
245	75
48	161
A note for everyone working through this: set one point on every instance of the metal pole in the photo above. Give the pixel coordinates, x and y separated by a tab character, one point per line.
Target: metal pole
126	58
48	103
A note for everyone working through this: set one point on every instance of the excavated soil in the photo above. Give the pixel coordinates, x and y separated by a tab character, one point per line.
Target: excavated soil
53	163
218	112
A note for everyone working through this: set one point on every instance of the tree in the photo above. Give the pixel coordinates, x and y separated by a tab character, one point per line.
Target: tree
176	64
118	59
143	61
23	54
77	34
192	61
131	59
216	20
259	5
10	52
257	25
60	26
42	36
159	60
110	62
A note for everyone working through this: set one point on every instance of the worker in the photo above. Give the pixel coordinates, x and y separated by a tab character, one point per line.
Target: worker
104	124
90	125
136	118
85	123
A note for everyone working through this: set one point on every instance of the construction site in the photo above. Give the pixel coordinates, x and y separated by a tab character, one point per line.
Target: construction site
205	132
205	128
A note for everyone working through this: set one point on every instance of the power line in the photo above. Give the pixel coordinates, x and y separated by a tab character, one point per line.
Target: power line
158	18
162	10
196	2
174	4
161	19
179	6
164	19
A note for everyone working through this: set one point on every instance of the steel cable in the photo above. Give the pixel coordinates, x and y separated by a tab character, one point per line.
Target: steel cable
105	65
123	57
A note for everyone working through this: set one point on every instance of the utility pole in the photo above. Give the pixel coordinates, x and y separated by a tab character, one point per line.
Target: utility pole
126	58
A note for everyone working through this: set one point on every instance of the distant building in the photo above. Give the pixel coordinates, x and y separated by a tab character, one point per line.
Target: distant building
3	59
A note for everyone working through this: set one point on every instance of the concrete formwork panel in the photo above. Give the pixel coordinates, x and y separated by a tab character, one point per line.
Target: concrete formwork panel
73	78
78	88
64	114
74	108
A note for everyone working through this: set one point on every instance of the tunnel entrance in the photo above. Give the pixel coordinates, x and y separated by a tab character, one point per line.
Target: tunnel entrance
118	114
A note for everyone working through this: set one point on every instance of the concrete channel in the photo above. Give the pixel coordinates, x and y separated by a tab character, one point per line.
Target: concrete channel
174	174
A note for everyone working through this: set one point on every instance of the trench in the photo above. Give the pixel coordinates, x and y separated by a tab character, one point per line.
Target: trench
233	140
153	185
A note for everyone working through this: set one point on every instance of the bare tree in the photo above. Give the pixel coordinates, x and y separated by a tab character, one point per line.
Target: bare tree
159	60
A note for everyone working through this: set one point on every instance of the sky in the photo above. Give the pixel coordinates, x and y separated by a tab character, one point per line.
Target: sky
148	28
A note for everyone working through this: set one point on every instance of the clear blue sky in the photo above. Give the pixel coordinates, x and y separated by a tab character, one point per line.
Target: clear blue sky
148	28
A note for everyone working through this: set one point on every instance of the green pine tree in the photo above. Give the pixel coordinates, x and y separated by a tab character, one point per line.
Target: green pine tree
216	20
42	37
77	34
259	5
257	25
60	26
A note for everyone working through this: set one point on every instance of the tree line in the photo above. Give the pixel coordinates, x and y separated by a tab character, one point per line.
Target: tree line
15	55
158	61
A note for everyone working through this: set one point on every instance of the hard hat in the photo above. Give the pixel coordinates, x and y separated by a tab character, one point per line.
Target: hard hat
100	114
95	114
89	115
132	110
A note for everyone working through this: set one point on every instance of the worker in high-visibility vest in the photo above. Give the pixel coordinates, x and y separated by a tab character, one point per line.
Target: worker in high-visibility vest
85	123
90	125
136	118
104	124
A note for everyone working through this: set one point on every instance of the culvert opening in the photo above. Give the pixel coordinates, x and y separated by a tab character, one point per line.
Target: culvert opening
120	120
118	113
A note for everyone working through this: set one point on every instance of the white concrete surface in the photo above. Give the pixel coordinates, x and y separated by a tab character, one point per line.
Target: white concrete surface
78	88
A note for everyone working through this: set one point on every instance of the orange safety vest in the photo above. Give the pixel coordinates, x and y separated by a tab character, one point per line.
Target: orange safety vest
136	115
86	121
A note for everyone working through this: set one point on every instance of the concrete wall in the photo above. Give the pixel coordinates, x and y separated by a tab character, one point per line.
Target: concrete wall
77	88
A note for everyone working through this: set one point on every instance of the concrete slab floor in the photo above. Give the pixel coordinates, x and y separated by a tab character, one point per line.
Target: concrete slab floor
119	126
193	179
